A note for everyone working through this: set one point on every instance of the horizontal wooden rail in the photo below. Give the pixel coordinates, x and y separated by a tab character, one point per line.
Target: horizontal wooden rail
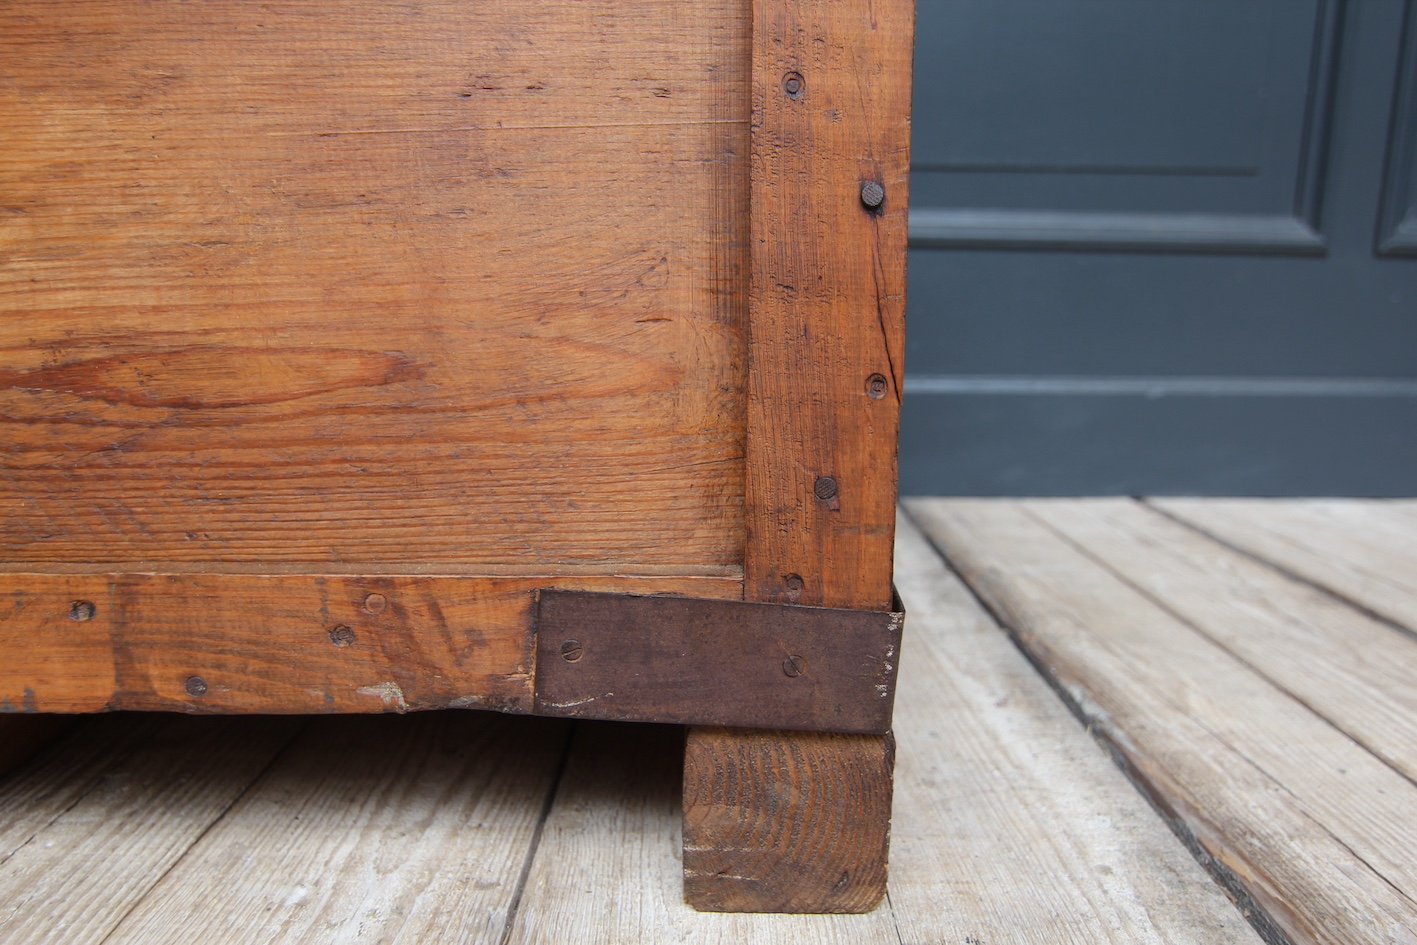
287	643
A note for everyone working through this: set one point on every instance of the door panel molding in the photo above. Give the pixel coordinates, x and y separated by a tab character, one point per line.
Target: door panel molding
936	227
1397	230
1296	230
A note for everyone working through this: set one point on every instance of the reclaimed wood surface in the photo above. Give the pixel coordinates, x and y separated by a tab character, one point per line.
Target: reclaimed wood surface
281	643
1012	825
63	883
1312	832
367	830
343	285
1356	672
830	150
1364	552
786	821
51	785
826	307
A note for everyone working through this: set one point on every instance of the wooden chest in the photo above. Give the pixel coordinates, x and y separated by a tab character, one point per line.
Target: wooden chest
379	357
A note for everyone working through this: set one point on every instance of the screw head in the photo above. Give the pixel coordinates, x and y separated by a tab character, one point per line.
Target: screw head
571	651
196	686
793	583
876	386
82	610
873	194
794	666
824	488
792	84
375	603
342	636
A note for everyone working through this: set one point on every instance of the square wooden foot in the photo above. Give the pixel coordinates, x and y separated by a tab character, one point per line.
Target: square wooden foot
786	821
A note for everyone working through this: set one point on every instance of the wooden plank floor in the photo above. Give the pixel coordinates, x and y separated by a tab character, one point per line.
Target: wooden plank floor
1179	721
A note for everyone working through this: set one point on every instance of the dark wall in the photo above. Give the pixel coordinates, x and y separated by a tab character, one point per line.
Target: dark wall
1163	246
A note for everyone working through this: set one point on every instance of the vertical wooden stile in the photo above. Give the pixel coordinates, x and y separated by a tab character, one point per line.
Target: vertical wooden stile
789	821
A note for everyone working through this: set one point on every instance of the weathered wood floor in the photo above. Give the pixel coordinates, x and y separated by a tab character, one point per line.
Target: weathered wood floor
1139	722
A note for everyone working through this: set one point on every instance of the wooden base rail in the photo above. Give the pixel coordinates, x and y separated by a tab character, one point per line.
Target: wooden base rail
81	643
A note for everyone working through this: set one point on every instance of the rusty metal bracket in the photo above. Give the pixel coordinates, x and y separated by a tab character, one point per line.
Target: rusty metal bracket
715	662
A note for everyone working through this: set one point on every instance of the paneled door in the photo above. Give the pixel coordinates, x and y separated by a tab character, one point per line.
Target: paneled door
1163	246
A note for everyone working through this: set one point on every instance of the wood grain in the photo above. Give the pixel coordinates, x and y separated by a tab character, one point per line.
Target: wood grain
38	794
280	643
152	804
808	815
1011	825
831	86
1293	814
1363	551
367	830
827	302
333	284
1353	670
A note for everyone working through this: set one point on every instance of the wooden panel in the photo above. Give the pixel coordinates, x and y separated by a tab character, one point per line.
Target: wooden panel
279	643
367	830
1287	810
831	123
153	804
337	283
827	302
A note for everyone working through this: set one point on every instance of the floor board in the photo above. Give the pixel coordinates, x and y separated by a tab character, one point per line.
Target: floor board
1357	672
1363	551
382	830
1303	822
1011	824
107	824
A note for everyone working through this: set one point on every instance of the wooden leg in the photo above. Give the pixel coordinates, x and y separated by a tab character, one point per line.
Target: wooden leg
786	821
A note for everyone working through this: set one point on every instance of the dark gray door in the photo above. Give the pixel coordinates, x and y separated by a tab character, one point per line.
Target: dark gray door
1163	246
